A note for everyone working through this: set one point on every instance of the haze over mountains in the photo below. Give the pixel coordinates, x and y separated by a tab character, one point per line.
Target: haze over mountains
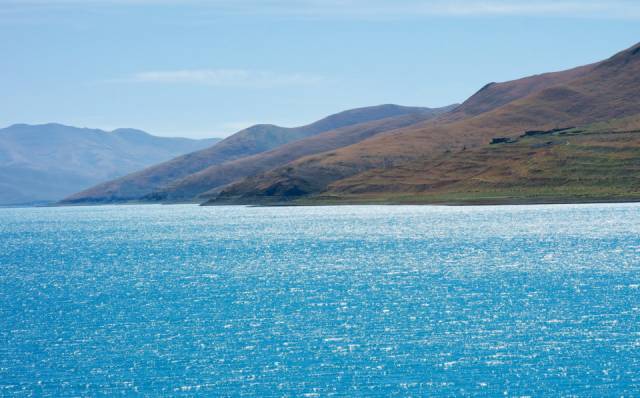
578	151
44	163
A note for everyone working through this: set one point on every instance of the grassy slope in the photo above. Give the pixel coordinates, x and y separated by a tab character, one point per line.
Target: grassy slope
600	162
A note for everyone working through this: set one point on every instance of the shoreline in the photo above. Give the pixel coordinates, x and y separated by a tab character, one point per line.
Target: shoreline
354	202
453	203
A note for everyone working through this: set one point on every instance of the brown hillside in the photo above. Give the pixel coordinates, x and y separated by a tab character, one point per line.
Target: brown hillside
610	89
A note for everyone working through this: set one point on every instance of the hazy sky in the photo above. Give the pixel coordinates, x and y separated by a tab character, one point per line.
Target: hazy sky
203	68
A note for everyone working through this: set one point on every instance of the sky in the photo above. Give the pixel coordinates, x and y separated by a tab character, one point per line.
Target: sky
208	68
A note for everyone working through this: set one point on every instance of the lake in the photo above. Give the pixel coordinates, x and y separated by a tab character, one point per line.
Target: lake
320	301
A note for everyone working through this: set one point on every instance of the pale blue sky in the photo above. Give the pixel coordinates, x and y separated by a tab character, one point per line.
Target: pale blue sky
205	68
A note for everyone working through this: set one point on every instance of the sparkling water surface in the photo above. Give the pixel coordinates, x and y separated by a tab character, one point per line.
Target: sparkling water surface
320	301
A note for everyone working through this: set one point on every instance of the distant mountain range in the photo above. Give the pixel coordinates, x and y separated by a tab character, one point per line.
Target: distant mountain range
556	137
45	163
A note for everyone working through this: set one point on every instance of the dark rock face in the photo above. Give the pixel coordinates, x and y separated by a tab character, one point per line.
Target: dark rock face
500	140
530	133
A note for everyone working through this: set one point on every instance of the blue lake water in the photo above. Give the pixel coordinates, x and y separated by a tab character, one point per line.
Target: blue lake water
320	301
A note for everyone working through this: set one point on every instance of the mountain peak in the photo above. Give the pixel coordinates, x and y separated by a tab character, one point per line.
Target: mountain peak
40	125
129	132
48	128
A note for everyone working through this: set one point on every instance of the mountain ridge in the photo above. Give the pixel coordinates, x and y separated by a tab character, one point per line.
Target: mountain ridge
251	141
